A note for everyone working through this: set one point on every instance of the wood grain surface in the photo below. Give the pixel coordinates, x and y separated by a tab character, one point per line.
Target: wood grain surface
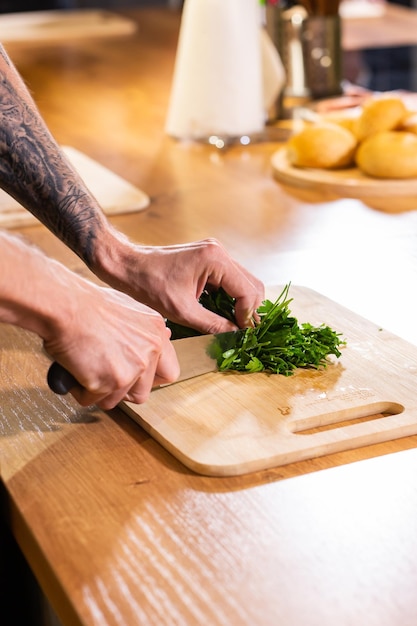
118	531
114	194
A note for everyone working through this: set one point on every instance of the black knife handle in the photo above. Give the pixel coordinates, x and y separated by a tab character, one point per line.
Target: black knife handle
60	380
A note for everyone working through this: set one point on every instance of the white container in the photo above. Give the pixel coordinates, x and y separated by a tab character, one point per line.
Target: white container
217	86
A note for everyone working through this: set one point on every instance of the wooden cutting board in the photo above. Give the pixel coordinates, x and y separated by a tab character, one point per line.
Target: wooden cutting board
347	183
114	194
233	423
56	26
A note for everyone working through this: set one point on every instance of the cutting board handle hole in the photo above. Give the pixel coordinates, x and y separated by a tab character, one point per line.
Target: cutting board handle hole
346	417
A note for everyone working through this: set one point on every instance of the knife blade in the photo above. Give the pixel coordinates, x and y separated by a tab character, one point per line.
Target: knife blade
196	356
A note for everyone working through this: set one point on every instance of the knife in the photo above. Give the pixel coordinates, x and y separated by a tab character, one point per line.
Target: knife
196	356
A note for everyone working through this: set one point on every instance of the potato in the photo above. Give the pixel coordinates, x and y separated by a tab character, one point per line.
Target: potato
409	123
347	119
347	122
389	154
378	115
322	145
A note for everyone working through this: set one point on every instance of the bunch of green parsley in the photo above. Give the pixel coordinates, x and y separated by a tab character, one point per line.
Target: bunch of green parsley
277	343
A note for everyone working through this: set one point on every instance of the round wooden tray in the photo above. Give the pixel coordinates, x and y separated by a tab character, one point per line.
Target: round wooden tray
347	183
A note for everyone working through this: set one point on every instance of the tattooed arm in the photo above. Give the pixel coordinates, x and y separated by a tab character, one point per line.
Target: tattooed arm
37	174
170	279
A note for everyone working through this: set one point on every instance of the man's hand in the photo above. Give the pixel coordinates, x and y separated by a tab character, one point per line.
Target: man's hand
116	348
171	279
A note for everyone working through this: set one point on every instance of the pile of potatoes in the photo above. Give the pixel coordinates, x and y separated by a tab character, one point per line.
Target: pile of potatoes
381	141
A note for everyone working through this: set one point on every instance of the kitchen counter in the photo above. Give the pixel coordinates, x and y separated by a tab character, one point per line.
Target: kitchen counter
395	26
115	529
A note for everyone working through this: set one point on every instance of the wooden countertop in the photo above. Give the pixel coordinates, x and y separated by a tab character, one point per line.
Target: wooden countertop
115	529
396	26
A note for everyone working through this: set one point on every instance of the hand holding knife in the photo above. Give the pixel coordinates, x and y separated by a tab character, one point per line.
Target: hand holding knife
193	354
60	380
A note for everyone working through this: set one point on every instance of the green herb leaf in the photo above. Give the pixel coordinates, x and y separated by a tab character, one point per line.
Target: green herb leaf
277	344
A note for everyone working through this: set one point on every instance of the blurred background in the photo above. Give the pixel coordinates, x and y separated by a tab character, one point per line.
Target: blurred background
13	6
378	69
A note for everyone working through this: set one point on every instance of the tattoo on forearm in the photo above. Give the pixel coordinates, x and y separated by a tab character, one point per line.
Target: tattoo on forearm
34	172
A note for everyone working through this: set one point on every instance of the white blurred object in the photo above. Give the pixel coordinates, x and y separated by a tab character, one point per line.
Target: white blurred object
352	9
273	75
218	82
